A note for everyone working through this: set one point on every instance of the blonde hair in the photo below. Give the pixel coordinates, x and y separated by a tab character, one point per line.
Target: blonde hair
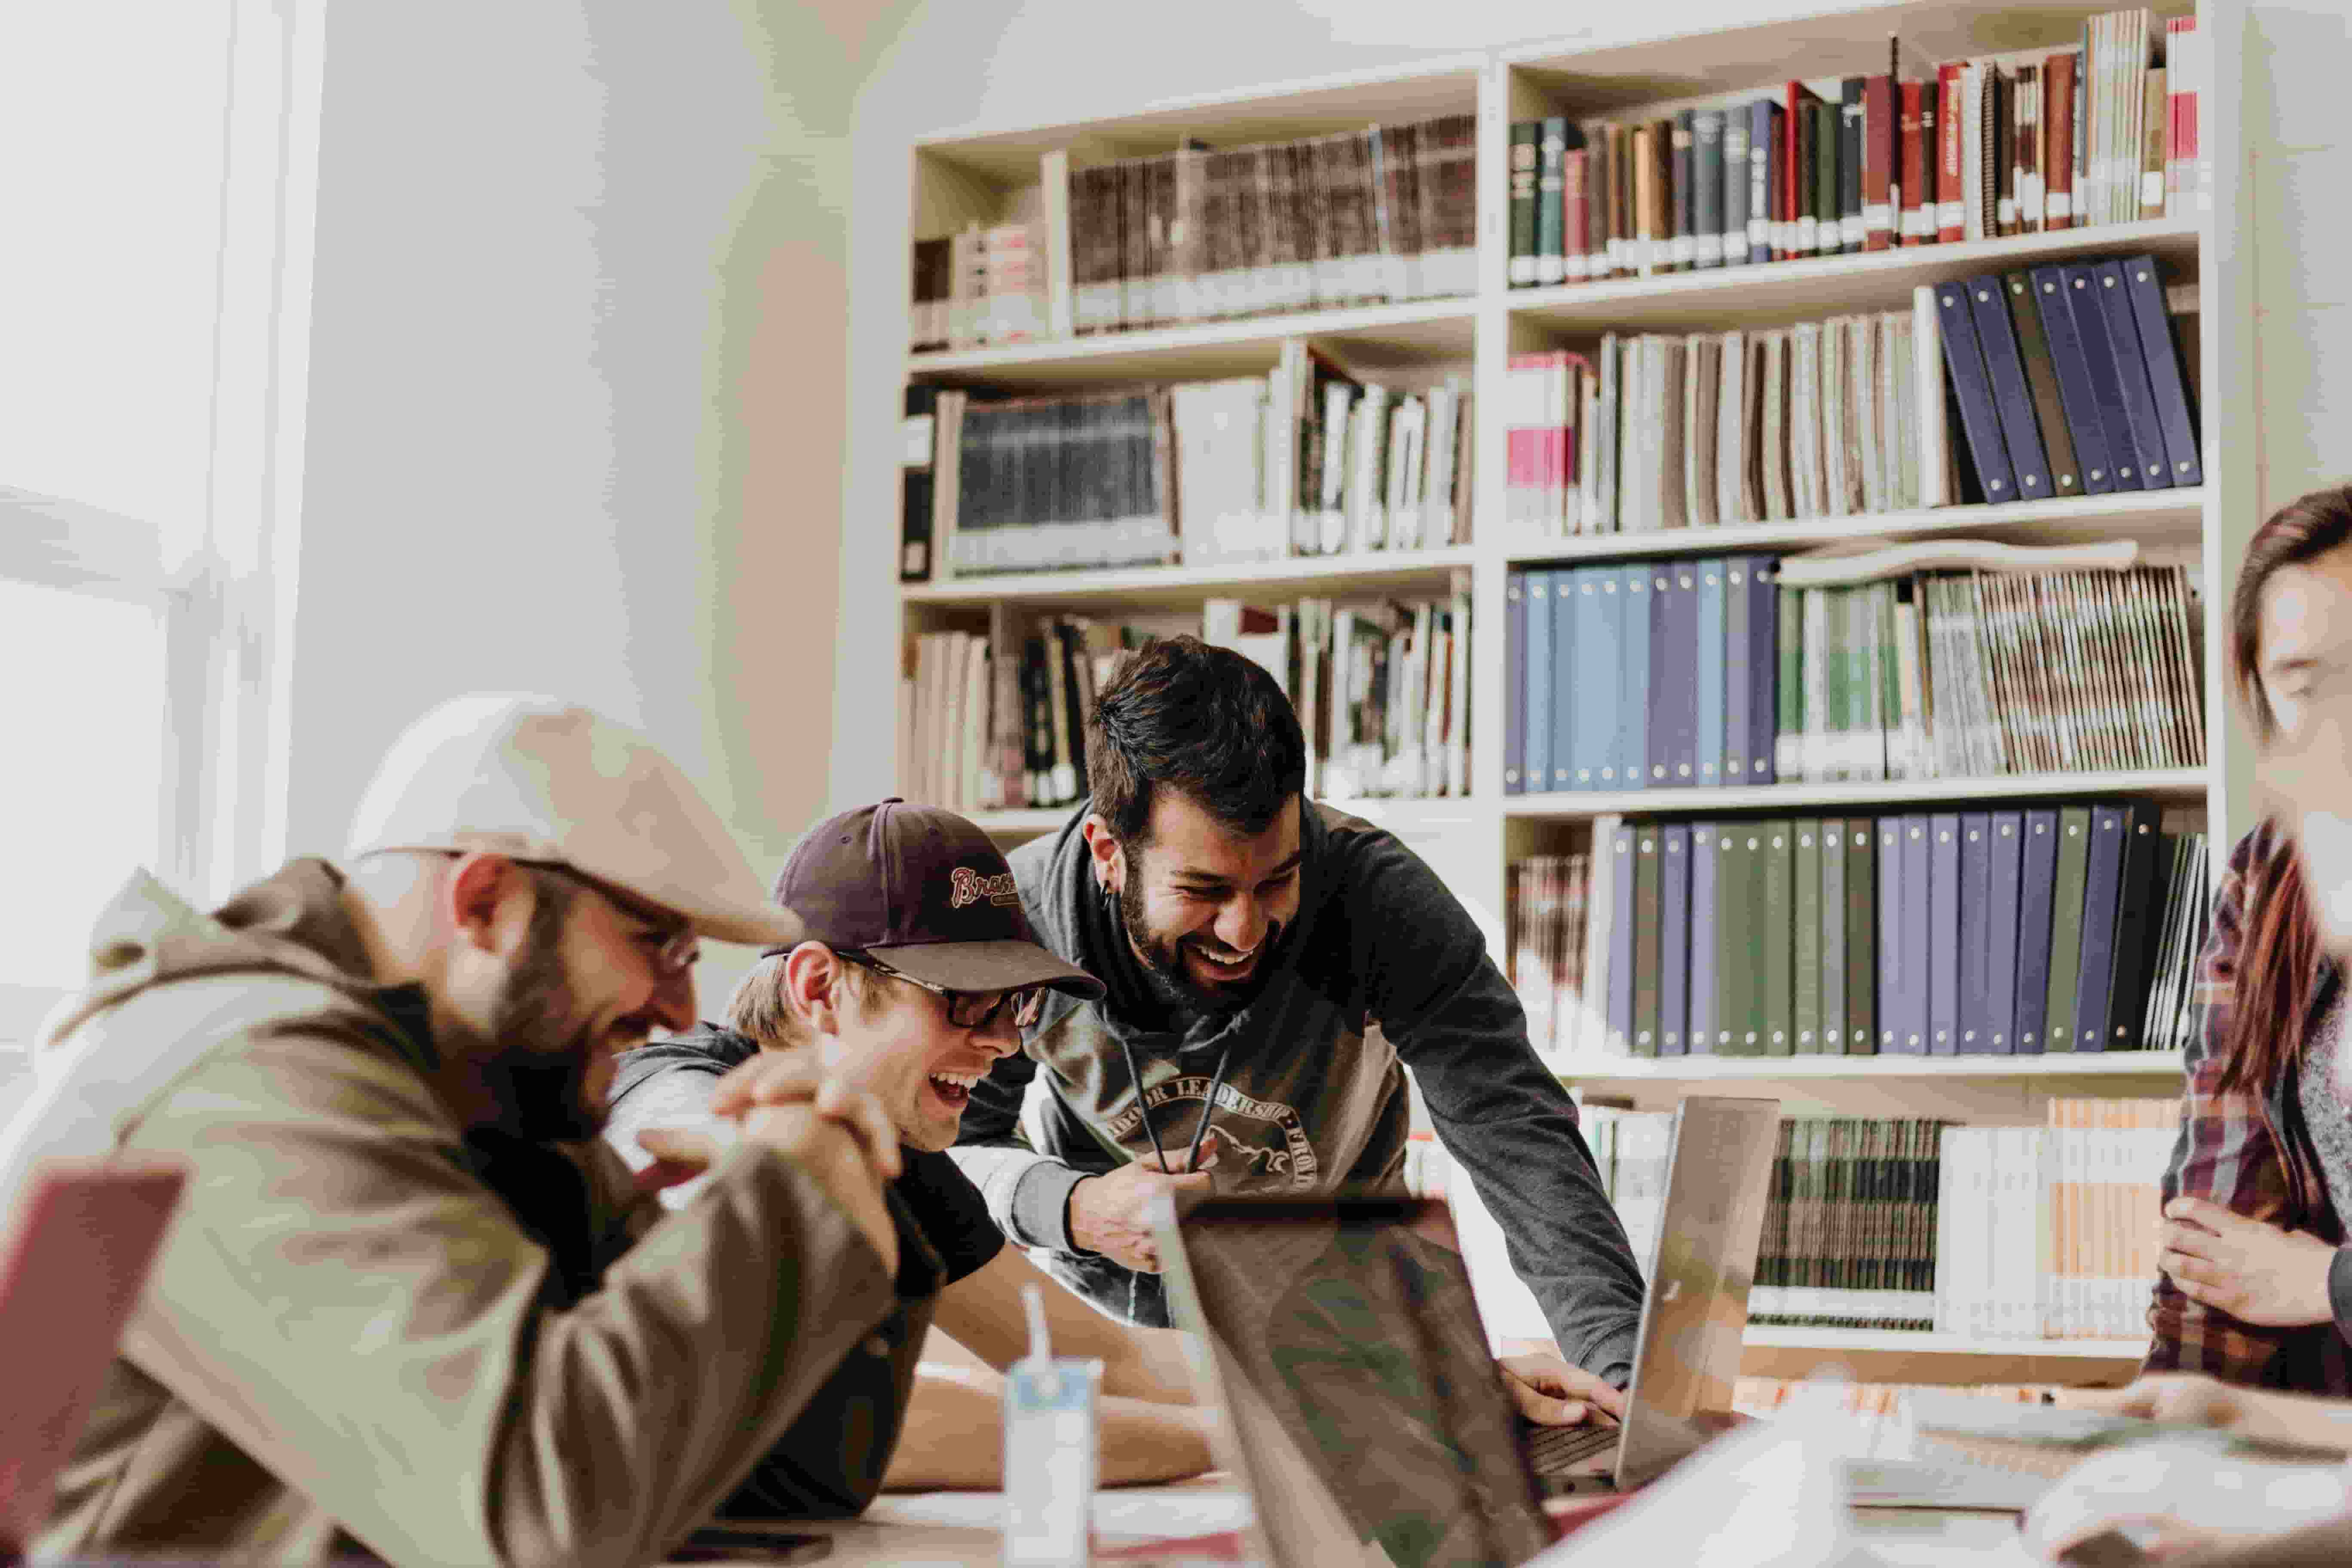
762	1009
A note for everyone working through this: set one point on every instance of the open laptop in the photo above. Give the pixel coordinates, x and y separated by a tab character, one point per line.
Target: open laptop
1343	1341
72	1261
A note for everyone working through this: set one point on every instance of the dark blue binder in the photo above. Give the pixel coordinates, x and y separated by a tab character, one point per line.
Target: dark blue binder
1674	939
1676	681
1892	944
2136	925
2101	888
1964	359
1708	659
1737	691
1514	663
2164	378
1657	720
1631	743
1914	884
1706	899
1943	934
1621	939
2106	385
2012	399
1974	1034
2131	369
2053	303
1763	666
2000	933
1578	698
1766	176
2037	873
1535	761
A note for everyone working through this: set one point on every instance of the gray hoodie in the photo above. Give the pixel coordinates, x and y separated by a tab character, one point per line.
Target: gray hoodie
1381	969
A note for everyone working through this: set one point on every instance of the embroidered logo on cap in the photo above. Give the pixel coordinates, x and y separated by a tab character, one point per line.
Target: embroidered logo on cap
970	886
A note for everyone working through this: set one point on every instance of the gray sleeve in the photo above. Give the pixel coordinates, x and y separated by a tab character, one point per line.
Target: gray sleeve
1508	1121
679	1098
1028	1194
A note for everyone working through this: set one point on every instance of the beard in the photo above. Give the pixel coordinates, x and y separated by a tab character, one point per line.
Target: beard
1164	971
538	1064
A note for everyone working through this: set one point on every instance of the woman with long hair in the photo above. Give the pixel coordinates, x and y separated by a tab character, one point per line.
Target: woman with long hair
2256	1285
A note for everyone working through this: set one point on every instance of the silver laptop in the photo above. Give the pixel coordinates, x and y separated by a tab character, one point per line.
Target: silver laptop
1343	1343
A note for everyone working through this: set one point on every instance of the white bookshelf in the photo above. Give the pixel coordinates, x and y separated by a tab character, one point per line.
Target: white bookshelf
990	173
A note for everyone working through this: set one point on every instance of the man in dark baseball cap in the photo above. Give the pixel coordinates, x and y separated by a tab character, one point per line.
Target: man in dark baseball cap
917	971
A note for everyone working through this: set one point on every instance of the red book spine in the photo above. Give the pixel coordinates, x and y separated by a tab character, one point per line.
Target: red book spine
1913	163
1951	218
1784	242
1878	168
2058	140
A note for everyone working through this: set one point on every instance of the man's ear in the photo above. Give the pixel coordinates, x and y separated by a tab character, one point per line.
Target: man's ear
488	900
1109	859
814	986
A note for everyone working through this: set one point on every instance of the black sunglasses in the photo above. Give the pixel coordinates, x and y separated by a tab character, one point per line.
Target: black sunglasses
966	1009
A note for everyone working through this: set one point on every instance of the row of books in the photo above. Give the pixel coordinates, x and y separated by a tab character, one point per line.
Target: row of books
1707	671
2091	135
1382	690
2053	1232
1202	233
1953	932
2021	1232
1304	460
995	722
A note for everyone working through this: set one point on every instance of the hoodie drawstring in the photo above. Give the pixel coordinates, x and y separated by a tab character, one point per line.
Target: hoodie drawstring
1208	1108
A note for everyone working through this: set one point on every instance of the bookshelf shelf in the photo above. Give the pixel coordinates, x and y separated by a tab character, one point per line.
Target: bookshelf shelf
1163	587
1720	1069
2171	517
2181	784
1782	291
1370	336
1922	1342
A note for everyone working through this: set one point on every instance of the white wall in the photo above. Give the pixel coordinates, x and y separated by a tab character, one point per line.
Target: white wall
575	412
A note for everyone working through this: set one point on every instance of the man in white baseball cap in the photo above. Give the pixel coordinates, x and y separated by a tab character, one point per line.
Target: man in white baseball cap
410	1302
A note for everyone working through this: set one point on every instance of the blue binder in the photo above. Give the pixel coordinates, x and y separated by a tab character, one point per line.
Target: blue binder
1765	176
2012	399
1943	934
1706	899
1974	1014
2163	359
1630	745
1964	359
1535	771
2037	874
2102	888
1708	660
2053	303
1677	683
1581	688
1659	719
2132	370
1514	665
1916	882
2107	384
1674	939
2000	932
1738	692
1892	944
2138	923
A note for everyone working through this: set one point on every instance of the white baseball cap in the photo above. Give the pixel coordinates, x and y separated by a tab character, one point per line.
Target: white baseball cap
534	778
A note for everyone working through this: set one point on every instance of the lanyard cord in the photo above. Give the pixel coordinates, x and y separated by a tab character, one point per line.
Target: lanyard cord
1208	1108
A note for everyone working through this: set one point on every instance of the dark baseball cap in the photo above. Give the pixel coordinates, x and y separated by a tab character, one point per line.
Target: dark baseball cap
927	892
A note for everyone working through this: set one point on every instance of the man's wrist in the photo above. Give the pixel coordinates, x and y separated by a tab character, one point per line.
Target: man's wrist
1070	1219
1040	1210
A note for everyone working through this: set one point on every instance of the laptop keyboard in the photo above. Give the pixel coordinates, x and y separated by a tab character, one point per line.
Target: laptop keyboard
1554	1449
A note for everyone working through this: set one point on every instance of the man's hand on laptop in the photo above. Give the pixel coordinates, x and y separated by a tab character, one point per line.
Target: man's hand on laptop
1113	1215
1550	1393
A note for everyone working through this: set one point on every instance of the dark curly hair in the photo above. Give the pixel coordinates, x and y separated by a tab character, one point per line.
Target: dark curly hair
1204	721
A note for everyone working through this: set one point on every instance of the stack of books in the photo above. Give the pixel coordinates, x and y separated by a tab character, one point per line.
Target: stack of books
981	286
2068	381
2101	132
1703	672
1962	932
1307	460
1850	1229
999	722
1382	693
2053	1232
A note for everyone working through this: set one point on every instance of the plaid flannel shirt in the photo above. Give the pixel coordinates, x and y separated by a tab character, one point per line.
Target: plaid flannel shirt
2248	1151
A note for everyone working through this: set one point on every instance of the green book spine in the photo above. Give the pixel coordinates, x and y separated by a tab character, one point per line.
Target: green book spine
1734	924
1829	758
1828	915
1644	1038
2067	927
1805	958
1862	937
1890	683
1525	136
1779	1023
1788	706
1826	205
1862	680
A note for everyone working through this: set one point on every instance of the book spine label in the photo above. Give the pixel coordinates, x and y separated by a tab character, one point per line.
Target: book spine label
1951	207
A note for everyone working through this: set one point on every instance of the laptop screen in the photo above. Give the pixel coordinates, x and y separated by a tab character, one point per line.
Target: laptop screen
1351	1321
